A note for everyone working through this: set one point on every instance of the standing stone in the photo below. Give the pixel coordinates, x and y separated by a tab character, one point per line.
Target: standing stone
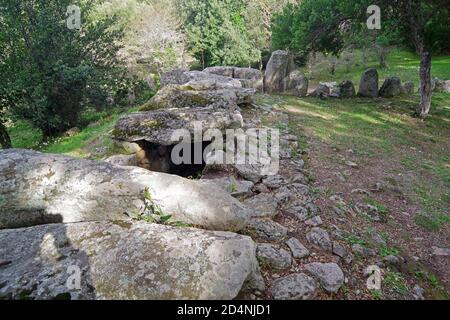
329	275
296	84
273	256
346	89
279	67
368	86
391	87
408	87
296	286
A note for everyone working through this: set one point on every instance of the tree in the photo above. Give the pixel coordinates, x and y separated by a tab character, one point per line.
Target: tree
50	72
323	25
217	32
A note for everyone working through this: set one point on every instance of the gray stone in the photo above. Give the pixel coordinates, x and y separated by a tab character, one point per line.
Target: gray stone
346	89
362	251
273	256
236	187
296	84
248	77
322	91
122	160
262	205
124	260
176	76
408	87
391	87
274	182
65	189
368	86
298	250
329	275
221	71
319	238
418	292
280	65
296	286
159	127
439	85
443	252
266	229
339	250
314	222
378	240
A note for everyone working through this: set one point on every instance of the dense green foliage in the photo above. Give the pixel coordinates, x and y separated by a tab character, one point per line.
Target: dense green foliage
50	73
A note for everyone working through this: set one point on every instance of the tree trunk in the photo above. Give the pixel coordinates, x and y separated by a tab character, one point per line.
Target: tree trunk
5	140
425	84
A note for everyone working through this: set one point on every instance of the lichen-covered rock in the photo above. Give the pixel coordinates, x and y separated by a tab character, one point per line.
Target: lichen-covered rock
391	87
176	76
236	187
320	238
248	77
368	86
280	65
37	187
123	260
221	71
273	256
205	93
266	229
296	286
329	275
296	84
122	160
439	85
262	205
298	250
159	126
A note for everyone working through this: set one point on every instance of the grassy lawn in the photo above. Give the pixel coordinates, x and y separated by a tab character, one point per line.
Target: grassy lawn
400	63
96	135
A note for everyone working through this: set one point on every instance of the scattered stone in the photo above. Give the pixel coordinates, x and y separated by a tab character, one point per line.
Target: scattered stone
391	87
266	229
339	250
378	240
236	187
298	250
319	238
274	182
392	261
329	275
439	85
71	132
418	292
273	256
444	252
262	205
296	286
368	86
362	251
378	187
298	212
125	260
314	222
351	164
360	191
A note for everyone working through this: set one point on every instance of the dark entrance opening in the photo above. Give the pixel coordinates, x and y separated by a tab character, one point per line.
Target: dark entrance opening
158	158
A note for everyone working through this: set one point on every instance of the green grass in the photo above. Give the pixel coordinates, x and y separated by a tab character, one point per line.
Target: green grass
395	282
400	63
83	144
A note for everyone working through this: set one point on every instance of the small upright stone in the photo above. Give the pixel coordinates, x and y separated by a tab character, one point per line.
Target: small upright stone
391	87
329	275
368	86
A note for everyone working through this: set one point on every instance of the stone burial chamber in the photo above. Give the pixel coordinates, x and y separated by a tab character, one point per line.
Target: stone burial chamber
36	188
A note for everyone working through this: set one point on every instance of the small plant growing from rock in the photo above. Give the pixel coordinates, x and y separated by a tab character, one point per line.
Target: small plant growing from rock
151	211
